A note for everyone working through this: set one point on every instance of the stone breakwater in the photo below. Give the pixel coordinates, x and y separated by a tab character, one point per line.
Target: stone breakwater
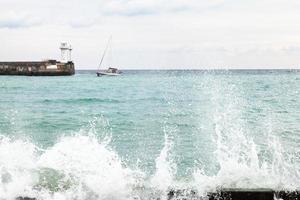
42	68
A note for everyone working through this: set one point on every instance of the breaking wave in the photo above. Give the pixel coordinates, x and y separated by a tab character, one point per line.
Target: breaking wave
82	167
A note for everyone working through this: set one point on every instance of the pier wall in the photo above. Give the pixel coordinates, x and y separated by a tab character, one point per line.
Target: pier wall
225	194
42	68
235	194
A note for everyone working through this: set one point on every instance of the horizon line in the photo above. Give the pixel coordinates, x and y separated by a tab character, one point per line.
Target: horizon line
293	68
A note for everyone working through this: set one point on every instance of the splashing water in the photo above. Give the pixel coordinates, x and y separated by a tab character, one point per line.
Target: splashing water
81	167
165	168
76	167
239	158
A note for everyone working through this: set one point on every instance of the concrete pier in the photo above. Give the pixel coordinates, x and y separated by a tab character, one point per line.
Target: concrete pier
42	68
235	194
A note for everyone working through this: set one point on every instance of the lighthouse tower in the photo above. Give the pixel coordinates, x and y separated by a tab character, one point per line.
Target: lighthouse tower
65	52
70	52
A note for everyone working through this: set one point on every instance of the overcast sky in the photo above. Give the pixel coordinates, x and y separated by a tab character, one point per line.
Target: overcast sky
155	33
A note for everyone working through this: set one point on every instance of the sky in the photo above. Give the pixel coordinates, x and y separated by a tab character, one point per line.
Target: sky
154	34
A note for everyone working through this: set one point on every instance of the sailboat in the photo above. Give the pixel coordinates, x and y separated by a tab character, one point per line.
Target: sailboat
111	71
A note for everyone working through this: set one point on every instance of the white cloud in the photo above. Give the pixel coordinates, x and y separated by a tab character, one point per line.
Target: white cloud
17	20
150	7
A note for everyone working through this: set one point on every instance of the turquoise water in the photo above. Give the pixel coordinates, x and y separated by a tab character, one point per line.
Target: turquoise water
108	137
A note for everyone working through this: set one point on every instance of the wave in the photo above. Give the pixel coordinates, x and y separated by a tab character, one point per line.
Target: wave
78	167
81	100
82	167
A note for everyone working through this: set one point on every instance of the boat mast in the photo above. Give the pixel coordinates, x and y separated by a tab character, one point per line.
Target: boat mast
104	52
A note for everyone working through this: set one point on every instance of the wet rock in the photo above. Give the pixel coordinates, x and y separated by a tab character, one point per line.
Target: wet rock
25	198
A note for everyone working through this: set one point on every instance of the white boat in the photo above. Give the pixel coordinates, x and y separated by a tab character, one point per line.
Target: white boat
111	71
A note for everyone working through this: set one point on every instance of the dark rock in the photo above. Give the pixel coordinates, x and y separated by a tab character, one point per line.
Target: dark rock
288	195
25	198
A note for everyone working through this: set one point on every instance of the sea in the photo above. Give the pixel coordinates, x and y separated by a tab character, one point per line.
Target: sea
141	134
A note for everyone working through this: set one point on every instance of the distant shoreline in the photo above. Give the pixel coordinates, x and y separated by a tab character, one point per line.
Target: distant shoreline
231	69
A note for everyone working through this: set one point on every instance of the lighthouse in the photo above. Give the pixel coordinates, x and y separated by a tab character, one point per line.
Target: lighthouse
66	50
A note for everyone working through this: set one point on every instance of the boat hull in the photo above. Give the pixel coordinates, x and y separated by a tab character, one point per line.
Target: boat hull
107	74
